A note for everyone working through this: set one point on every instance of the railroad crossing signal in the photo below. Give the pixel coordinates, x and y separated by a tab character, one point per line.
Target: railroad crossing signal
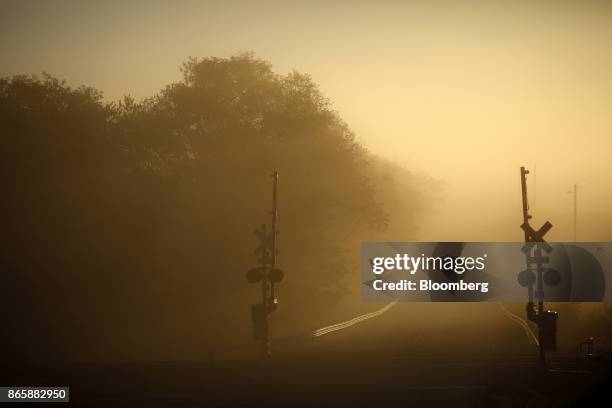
276	275
266	245
267	274
265	239
255	275
532	236
533	249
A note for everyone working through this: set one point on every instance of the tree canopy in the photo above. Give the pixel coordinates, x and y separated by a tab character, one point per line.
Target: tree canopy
130	223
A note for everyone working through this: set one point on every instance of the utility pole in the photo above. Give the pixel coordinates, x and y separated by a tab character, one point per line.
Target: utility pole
267	274
575	212
535	250
575	193
535	186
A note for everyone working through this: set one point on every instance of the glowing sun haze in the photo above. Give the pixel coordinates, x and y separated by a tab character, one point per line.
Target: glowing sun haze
464	91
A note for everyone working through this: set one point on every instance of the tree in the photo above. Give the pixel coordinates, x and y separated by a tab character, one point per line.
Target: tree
132	221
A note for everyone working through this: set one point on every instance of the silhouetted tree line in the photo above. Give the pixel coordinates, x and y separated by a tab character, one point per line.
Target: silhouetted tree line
129	225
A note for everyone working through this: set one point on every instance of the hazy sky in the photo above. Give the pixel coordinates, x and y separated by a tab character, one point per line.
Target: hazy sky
464	91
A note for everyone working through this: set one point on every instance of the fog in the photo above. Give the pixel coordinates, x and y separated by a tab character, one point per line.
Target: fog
446	99
465	92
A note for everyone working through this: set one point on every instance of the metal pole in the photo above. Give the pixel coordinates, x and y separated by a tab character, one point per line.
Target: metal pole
267	300
540	296
526	215
535	187
575	211
274	216
264	300
539	281
526	218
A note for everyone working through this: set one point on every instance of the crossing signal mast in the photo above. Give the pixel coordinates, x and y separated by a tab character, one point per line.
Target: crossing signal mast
266	274
535	275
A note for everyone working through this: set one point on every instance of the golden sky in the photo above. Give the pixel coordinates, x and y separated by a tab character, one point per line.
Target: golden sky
463	91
